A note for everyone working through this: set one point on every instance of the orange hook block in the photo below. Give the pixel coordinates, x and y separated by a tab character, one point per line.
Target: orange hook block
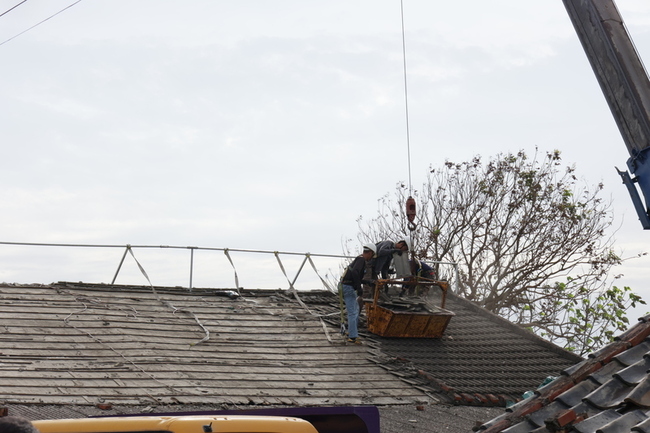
410	209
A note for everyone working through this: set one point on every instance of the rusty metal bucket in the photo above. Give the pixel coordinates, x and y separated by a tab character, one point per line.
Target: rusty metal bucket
392	321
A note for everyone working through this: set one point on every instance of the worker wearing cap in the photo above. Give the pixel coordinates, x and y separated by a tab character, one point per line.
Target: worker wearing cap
352	290
385	251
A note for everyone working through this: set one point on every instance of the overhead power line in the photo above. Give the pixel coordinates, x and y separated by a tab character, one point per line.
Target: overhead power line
39	23
9	10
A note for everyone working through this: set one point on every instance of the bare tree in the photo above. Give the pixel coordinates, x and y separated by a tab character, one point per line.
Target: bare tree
531	243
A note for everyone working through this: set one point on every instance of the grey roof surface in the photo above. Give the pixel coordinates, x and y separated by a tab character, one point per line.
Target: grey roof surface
67	349
607	392
481	358
88	344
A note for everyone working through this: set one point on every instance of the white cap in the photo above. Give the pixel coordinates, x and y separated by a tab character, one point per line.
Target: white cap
407	242
371	247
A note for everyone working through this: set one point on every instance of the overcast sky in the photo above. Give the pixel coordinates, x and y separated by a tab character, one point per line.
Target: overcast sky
273	125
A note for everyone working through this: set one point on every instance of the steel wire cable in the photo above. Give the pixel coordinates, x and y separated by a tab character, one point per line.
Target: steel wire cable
406	99
39	23
12	8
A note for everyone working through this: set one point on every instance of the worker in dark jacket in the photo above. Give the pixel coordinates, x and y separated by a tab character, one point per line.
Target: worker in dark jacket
352	290
385	251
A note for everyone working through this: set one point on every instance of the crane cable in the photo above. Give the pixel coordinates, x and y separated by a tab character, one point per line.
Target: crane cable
12	8
410	202
38	23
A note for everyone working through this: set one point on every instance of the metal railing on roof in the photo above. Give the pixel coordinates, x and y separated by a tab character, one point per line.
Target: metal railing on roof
329	282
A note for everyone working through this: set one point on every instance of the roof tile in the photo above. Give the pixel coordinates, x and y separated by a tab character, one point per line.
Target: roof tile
585	410
610	395
613	397
563	418
583	369
591	424
606	353
574	396
517	407
642	427
633	355
640	395
493	399
636	334
522	427
558	386
624	423
539	417
635	373
604	374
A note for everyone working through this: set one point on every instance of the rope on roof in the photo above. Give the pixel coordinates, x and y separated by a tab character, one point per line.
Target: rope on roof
325	283
225	251
294	292
111	348
169	304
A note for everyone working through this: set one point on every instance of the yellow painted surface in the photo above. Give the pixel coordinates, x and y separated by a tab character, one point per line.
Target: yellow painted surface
181	424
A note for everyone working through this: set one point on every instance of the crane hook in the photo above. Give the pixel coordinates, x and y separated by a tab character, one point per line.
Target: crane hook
410	213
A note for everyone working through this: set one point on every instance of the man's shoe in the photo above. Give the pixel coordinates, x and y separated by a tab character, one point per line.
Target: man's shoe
353	340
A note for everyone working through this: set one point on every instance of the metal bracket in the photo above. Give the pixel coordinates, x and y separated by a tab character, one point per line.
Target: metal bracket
641	210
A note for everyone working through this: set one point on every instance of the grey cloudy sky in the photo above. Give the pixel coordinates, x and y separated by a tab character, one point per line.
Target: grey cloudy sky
273	125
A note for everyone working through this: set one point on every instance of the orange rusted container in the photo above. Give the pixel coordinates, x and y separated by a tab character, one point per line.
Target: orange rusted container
391	322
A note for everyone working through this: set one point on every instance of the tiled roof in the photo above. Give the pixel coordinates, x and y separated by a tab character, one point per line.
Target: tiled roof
97	344
607	392
85	344
481	359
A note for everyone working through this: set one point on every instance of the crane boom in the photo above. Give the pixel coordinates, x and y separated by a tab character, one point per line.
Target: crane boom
625	84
